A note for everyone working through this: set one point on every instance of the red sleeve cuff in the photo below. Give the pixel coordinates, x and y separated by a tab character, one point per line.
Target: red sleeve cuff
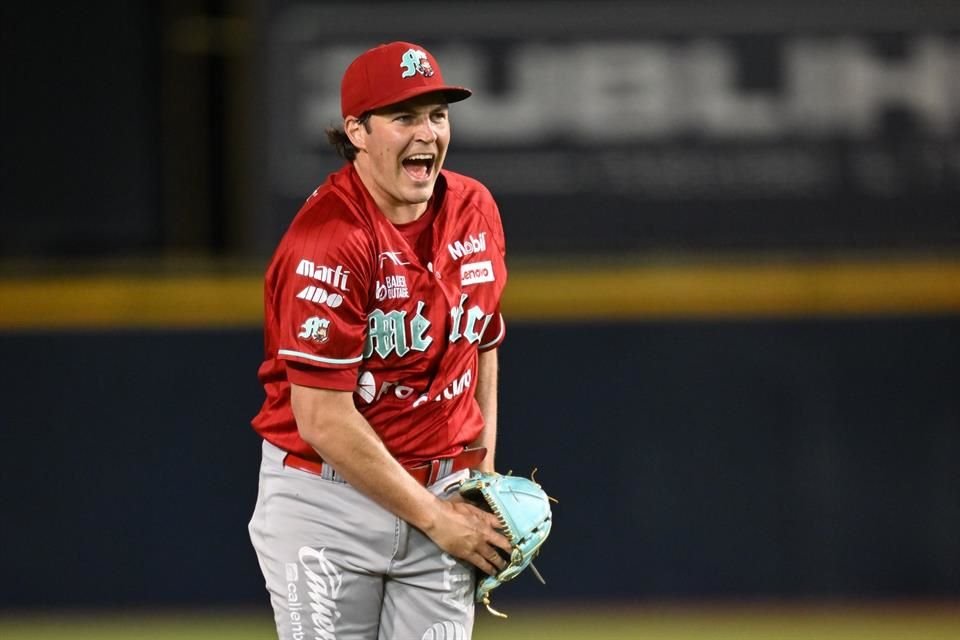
494	335
307	376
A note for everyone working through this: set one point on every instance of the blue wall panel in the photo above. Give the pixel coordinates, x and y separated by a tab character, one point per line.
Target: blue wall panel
695	459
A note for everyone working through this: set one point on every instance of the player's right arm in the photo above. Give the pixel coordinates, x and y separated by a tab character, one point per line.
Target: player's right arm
329	422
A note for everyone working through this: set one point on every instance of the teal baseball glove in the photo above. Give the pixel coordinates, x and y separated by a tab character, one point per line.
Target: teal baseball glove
523	509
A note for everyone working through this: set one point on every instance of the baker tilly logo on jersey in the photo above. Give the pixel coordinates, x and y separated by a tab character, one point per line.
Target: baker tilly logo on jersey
393	286
472	244
316	329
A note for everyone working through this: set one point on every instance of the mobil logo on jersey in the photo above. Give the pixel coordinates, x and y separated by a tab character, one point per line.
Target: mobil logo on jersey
470	244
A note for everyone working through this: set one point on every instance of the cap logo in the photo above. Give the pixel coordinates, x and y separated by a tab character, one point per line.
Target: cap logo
415	61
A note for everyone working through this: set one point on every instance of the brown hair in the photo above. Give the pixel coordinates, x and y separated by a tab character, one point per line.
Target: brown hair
338	139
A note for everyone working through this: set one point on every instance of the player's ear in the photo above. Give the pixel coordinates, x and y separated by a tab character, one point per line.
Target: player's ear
356	132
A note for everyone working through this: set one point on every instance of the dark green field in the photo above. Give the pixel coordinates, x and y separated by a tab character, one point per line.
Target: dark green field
668	622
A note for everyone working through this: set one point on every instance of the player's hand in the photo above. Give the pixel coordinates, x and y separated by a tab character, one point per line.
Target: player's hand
470	534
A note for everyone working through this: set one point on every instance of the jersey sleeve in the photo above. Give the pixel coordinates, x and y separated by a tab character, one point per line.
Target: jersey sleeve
320	298
496	329
322	378
495	332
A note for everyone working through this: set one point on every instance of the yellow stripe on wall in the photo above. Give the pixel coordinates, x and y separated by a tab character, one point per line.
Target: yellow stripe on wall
560	293
724	290
128	302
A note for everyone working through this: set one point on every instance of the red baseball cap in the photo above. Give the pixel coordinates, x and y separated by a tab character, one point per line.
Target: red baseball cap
392	73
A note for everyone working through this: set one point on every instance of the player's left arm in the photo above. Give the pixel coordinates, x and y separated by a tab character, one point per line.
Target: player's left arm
493	335
486	395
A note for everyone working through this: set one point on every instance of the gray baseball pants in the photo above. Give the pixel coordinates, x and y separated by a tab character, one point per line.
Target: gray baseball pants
340	567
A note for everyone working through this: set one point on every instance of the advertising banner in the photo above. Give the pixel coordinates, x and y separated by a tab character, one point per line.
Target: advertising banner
617	127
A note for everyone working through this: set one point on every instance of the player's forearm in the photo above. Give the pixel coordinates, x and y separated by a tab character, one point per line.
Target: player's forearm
486	395
329	422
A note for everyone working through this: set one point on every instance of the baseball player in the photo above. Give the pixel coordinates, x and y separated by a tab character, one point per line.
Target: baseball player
382	326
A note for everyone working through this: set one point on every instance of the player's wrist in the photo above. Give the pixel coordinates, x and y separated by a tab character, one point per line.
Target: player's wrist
429	516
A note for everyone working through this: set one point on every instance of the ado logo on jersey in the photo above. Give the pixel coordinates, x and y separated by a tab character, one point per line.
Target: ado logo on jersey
315	328
321	296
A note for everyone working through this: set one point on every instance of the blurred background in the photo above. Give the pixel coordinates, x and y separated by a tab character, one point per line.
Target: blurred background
734	309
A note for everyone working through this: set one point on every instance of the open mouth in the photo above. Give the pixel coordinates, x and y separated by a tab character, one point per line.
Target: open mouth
419	166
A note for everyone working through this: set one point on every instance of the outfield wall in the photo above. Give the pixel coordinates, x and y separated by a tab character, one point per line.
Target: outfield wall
693	458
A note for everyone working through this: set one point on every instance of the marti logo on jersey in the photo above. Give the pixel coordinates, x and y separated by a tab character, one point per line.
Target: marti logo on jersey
336	278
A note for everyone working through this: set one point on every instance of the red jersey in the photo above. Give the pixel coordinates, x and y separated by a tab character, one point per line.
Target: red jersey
351	304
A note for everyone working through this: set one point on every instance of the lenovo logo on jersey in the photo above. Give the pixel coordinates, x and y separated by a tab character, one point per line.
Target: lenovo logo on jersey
476	272
472	244
334	277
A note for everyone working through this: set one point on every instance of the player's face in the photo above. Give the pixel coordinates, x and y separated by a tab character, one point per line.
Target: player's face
404	149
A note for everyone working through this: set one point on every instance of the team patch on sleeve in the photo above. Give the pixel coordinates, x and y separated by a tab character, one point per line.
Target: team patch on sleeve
316	329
